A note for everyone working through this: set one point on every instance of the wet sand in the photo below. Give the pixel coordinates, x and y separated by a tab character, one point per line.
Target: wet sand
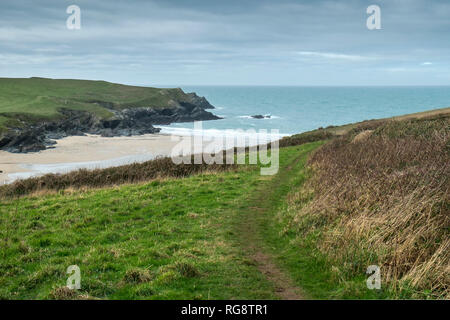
86	151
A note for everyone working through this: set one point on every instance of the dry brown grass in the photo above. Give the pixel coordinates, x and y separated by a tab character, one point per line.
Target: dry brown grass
64	293
384	199
362	136
136	275
310	136
86	179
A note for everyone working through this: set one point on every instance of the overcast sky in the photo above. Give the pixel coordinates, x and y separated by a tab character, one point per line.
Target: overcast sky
212	42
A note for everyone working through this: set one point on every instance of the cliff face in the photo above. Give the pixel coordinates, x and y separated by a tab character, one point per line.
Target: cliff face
35	136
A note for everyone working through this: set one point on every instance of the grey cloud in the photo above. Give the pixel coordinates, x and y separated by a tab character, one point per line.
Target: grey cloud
227	42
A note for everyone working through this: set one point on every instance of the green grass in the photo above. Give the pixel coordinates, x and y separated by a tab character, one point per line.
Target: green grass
170	239
110	232
3	122
299	256
36	99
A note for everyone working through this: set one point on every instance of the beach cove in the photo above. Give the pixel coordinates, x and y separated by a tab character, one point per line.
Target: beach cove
89	151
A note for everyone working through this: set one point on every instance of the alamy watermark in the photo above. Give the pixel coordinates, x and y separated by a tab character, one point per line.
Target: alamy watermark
374	20
374	280
73	22
220	148
74	280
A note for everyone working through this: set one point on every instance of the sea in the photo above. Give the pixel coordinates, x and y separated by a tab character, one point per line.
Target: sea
298	109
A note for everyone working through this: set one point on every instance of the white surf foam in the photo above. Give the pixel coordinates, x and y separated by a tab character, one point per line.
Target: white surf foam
269	117
212	133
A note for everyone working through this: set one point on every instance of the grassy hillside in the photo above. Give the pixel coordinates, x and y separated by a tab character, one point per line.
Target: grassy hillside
167	239
377	194
39	98
336	131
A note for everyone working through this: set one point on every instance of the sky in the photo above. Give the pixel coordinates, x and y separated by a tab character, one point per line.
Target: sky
245	42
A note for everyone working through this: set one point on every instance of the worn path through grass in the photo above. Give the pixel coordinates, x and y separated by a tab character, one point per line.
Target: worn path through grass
193	238
261	209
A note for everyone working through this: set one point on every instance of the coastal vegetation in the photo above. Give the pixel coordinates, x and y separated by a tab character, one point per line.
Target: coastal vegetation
126	174
42	98
378	195
167	238
372	193
35	111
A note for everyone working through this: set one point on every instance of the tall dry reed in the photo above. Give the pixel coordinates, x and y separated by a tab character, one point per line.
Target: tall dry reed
132	173
380	195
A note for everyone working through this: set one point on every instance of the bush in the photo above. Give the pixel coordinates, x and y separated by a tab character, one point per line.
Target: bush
132	173
384	200
138	276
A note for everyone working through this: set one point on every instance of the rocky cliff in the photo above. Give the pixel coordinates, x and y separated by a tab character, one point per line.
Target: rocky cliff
33	136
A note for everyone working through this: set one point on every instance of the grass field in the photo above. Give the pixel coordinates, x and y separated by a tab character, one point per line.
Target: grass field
174	238
40	99
378	194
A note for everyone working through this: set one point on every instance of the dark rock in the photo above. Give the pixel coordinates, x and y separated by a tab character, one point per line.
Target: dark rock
55	135
126	122
260	116
107	133
49	142
32	148
199	101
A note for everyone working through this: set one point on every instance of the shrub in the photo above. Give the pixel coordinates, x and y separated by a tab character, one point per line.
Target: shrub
186	269
132	173
138	276
384	200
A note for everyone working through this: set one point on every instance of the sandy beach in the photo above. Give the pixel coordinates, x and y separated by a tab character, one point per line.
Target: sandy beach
88	151
93	151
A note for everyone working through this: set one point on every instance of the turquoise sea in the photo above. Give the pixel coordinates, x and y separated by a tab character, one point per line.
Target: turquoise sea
299	109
